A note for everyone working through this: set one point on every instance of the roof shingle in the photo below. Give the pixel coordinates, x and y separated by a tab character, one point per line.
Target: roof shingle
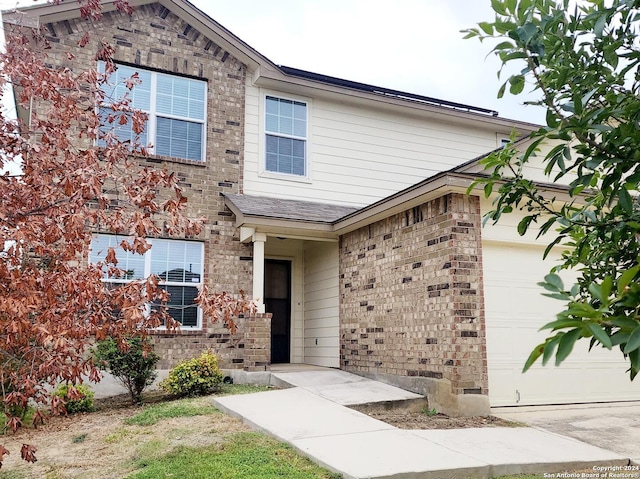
288	209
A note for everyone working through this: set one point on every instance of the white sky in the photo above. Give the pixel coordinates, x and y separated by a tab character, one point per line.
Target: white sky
414	46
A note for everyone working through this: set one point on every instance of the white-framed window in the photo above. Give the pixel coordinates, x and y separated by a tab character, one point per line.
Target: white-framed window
178	264
285	136
176	107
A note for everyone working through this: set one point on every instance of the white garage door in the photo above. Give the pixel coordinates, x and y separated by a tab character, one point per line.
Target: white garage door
515	310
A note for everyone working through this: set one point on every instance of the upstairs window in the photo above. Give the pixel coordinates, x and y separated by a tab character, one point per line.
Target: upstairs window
178	264
286	136
176	107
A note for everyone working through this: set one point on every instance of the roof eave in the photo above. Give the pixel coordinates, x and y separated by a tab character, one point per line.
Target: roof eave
265	72
431	188
418	194
283	227
427	190
275	78
36	15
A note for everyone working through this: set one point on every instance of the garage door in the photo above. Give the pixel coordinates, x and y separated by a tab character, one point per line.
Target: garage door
515	310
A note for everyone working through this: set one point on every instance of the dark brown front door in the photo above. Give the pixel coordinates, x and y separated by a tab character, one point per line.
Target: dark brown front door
277	300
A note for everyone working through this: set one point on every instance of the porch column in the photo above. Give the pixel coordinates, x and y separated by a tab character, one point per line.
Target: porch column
258	269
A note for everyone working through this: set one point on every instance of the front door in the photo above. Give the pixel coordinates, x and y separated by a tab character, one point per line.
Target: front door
277	300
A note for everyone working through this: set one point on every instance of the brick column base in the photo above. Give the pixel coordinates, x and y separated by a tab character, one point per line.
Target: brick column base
257	342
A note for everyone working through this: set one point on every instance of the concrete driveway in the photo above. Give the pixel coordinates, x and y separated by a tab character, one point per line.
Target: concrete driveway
612	426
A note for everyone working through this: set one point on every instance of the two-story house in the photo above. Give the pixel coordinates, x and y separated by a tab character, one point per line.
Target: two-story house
342	208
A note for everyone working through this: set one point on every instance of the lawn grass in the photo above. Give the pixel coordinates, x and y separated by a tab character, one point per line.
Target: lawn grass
188	407
228	389
245	454
167	437
248	455
153	413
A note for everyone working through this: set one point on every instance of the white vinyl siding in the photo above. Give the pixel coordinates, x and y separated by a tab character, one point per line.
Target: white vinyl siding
534	168
176	107
321	305
357	155
178	264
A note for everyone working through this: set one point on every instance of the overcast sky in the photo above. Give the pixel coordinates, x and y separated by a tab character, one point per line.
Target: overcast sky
409	45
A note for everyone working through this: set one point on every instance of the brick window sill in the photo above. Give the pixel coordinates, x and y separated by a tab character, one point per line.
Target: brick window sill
163	333
170	159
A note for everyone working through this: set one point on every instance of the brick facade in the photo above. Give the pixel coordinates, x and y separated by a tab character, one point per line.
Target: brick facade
411	300
249	348
155	38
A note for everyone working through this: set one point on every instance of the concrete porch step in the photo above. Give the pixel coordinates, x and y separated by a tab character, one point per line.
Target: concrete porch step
348	389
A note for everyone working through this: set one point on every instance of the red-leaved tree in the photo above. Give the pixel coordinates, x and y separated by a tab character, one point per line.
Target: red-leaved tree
74	178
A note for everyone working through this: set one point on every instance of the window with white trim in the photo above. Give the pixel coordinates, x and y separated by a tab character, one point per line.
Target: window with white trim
178	264
286	136
176	107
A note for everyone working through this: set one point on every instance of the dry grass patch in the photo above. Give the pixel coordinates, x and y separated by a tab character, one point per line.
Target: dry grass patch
109	442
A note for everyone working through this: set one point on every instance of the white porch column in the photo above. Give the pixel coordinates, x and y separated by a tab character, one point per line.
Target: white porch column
258	269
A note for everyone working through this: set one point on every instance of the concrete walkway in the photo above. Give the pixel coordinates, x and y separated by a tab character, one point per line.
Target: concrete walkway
312	416
613	426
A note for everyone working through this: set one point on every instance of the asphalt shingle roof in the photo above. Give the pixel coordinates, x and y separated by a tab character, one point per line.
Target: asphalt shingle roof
288	209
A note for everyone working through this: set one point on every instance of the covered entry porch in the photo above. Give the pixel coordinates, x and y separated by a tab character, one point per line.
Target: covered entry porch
295	274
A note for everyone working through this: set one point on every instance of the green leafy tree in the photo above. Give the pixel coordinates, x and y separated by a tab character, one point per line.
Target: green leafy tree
581	60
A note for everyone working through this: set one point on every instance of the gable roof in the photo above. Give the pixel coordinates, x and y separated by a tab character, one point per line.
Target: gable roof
267	73
324	221
36	15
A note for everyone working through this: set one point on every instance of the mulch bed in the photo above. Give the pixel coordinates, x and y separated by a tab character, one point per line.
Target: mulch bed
421	420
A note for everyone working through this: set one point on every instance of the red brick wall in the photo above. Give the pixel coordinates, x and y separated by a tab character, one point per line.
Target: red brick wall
411	296
249	348
153	37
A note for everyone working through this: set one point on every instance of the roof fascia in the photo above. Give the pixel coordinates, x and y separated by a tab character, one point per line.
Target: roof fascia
471	164
265	72
431	188
281	226
427	190
40	14
276	79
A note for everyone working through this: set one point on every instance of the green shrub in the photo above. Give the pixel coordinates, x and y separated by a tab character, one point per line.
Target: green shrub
134	368
25	414
83	404
194	377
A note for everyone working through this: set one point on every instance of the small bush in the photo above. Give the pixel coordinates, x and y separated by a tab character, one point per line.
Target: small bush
194	377
25	414
73	405
134	368
17	407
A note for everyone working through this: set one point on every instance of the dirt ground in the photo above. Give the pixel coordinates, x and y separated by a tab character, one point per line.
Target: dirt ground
99	444
422	420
